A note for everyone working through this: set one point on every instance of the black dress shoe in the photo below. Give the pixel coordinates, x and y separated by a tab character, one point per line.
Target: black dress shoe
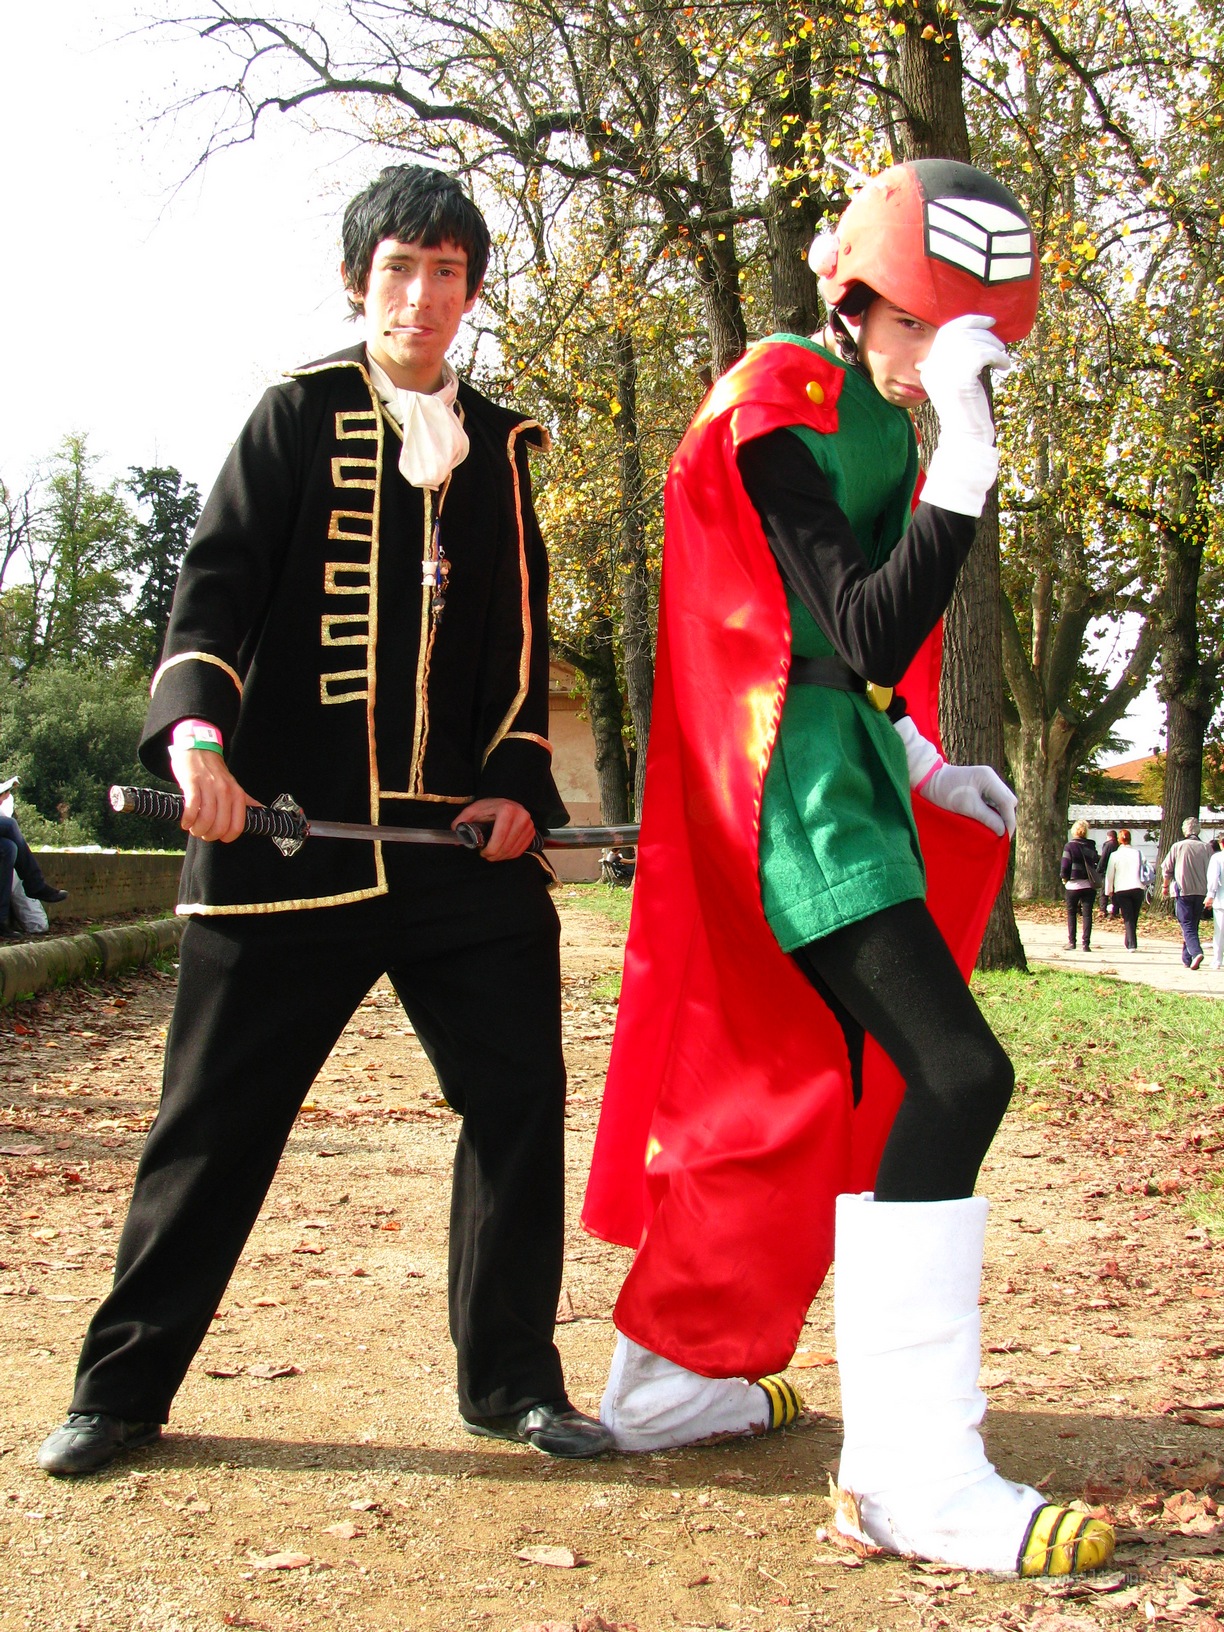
48	893
89	1440
556	1429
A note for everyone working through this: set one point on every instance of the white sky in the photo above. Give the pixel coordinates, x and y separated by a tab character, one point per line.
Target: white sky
148	315
151	319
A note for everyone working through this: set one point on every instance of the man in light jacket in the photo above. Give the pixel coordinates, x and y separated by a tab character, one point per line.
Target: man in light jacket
1185	867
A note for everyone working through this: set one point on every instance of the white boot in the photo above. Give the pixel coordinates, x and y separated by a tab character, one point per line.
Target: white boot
908	1352
651	1404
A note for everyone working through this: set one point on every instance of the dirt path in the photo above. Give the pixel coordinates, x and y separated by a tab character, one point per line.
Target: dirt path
319	1422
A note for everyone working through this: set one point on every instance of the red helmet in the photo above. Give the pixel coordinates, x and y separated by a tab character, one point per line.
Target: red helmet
940	240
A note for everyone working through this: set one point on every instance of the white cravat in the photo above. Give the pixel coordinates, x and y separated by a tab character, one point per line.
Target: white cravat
434	440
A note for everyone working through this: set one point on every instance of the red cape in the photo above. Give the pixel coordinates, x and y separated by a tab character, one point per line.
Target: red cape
722	1047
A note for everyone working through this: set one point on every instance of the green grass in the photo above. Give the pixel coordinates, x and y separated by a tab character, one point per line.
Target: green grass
609	900
1086	1033
1081	1041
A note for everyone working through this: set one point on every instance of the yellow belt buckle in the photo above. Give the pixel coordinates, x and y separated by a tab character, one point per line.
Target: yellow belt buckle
879	696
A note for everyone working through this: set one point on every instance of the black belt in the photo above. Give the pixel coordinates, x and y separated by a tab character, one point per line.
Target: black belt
834	671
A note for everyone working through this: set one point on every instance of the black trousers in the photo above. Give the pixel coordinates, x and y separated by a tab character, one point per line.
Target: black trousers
1128	903
472	950
892	976
1080	901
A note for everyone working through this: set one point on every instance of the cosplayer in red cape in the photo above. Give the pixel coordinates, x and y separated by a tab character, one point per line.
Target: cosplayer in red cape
800	1073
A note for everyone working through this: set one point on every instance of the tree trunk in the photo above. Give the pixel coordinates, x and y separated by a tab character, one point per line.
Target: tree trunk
971	702
930	79
717	269
1046	740
596	662
1188	703
792	209
971	694
1042	764
635	588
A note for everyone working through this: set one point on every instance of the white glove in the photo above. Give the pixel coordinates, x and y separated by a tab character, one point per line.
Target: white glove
974	790
951	375
970	790
964	465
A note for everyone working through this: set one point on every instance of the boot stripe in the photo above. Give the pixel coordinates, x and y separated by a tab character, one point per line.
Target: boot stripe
784	1403
1053	1530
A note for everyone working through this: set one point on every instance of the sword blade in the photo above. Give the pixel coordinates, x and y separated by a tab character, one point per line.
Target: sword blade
591	838
383	834
558	838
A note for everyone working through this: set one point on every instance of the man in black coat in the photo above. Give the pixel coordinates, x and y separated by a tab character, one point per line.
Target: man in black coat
360	621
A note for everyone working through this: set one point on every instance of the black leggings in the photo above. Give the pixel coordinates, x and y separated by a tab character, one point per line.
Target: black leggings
892	975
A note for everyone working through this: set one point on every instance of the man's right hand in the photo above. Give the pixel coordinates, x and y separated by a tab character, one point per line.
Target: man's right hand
214	802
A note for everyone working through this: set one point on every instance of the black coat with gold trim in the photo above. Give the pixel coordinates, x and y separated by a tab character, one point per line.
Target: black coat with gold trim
378	651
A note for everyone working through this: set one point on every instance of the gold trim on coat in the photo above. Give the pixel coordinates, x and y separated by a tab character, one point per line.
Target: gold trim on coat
194	657
338	467
525	590
200	909
528	736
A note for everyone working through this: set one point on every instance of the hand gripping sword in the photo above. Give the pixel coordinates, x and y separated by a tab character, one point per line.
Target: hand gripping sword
287	825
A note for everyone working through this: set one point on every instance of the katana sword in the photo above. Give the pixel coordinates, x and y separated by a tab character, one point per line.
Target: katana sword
288	826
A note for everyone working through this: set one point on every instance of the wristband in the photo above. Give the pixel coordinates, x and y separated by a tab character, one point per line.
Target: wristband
197	734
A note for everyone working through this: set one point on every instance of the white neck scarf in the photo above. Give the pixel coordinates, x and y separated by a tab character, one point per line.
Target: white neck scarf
434	440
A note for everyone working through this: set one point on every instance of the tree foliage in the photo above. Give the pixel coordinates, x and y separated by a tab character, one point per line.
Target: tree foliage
65	594
85	586
69	731
169	510
655	173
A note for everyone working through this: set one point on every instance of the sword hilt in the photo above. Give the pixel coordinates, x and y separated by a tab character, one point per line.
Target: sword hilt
475	835
168	807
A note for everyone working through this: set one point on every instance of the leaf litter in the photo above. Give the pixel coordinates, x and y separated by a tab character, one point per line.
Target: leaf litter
1107	1334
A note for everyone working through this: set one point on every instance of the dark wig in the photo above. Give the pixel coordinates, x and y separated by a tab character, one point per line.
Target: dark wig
854	304
414	205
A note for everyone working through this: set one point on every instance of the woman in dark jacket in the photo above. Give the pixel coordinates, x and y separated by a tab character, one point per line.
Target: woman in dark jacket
1079	853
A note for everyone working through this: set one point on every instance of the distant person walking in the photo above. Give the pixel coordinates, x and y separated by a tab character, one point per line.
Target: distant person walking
1185	874
1080	873
1215	899
1107	850
1124	887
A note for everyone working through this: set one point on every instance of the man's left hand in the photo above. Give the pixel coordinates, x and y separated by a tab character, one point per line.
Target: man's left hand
513	828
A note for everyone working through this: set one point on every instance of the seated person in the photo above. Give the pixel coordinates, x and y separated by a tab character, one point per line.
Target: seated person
16	857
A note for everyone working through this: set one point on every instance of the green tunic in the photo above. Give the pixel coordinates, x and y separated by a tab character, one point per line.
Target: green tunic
838	841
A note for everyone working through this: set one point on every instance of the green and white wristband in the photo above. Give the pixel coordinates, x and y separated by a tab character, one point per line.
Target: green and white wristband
197	734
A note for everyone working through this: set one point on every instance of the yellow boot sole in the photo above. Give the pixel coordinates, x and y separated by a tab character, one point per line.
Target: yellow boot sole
1061	1541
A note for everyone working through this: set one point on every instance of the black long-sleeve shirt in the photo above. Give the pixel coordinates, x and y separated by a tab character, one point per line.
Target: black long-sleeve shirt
875	619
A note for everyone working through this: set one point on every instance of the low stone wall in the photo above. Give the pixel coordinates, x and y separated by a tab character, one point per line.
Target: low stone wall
54	960
105	883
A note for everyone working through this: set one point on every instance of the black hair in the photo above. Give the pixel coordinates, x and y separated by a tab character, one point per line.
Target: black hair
854	303
414	205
